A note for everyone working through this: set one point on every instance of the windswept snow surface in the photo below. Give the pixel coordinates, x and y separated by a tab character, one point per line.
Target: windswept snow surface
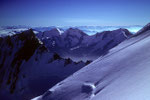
122	74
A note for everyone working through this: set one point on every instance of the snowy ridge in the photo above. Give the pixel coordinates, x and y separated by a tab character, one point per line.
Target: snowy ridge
122	74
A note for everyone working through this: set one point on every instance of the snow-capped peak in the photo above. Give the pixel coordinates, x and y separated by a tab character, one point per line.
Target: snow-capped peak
52	32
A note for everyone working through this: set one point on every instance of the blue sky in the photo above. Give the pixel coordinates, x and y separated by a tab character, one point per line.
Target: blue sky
74	12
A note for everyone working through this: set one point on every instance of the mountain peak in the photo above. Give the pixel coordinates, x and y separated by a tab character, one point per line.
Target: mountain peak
56	30
115	33
25	34
125	32
52	32
75	32
144	29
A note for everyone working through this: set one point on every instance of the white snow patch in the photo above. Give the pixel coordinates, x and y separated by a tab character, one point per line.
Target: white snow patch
60	31
37	98
40	41
53	43
124	34
75	48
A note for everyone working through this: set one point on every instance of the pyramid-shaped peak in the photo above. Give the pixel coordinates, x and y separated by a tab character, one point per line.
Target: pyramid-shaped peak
52	32
75	32
56	30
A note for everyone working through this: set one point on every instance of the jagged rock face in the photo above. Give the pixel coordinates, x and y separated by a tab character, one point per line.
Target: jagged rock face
26	64
79	46
14	51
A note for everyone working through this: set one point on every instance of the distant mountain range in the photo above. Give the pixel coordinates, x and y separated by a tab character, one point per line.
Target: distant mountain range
90	30
77	45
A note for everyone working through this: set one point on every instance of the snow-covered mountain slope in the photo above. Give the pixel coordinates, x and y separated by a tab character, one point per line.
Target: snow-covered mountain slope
26	65
78	45
122	74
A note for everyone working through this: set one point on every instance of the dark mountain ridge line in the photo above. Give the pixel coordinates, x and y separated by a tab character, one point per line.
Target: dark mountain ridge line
67	60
